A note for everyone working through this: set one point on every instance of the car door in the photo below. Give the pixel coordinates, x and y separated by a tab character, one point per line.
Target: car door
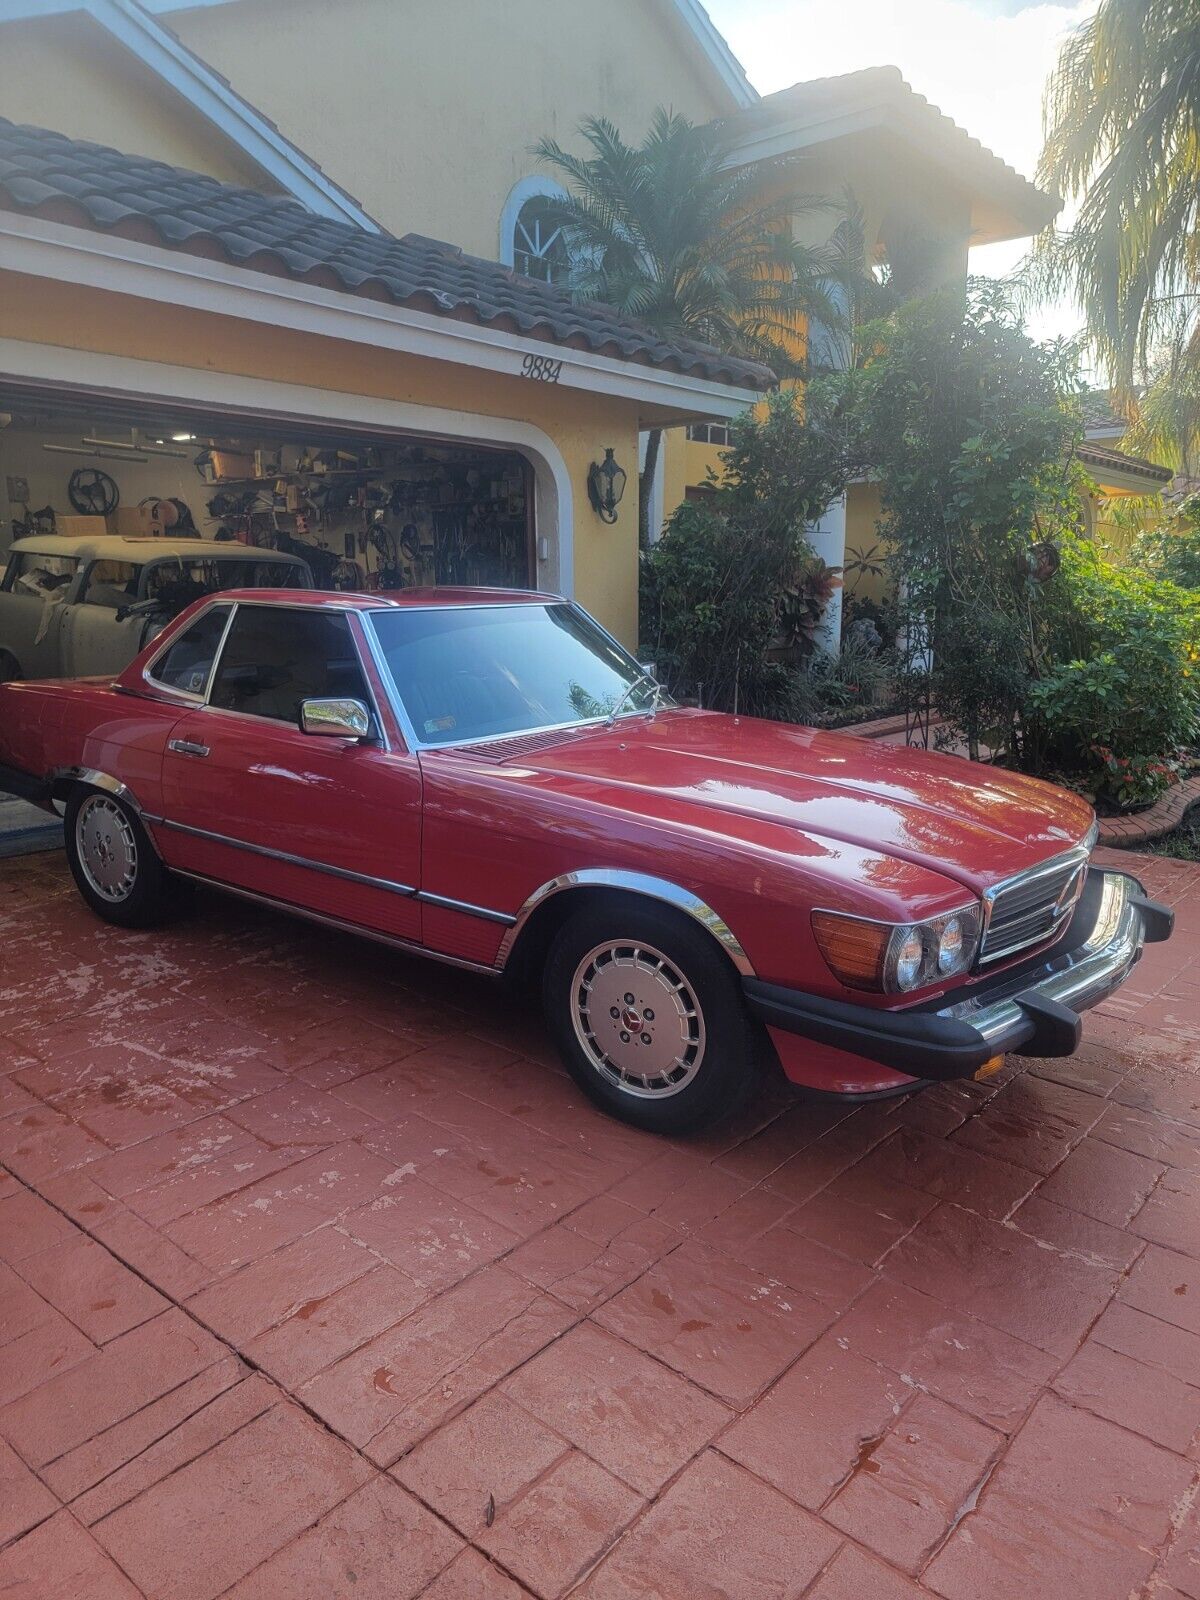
97	633
331	825
37	593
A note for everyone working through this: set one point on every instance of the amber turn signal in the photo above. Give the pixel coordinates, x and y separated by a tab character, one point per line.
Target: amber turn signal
854	948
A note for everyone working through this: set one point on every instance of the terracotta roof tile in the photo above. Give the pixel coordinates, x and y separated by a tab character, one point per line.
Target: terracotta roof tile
44	171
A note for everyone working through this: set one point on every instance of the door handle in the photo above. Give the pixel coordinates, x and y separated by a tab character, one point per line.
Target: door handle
186	747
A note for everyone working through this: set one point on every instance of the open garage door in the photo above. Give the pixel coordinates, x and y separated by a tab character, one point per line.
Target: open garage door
367	510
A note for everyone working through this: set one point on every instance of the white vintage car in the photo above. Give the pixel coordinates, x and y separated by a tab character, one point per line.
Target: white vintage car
71	608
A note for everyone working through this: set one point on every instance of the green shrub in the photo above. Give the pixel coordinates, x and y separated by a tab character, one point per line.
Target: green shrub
1118	695
1173	553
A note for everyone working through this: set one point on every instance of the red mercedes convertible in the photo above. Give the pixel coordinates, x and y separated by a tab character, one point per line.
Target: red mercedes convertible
489	778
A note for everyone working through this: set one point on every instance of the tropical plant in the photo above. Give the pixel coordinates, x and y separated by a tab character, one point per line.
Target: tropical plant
1171	550
670	232
713	587
968	425
1123	140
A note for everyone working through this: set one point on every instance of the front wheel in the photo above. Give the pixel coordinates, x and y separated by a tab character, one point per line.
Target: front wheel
115	867
648	1016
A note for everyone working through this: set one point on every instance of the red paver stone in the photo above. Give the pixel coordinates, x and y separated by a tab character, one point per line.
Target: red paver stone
60	1560
862	1215
552	1534
394	1389
471	1576
988	1373
812	1429
1167	1285
1171	1216
1181	1566
905	1492
107	1452
851	1575
380	1544
324	1328
492	1451
202	1528
1031	1123
28	1224
941	1168
24	1499
90	1287
1004	1278
297	1115
1102	1181
433	1237
1139	1397
232	1232
47	1346
1146	1339
1076	1235
728	1328
278	1286
1176	1144
629	1413
1077	1507
717	1531
127	1374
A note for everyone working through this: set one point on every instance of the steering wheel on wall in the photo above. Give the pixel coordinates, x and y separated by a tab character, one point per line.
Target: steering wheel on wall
92	493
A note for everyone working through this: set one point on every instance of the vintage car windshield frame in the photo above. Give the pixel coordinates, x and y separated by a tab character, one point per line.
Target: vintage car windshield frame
400	710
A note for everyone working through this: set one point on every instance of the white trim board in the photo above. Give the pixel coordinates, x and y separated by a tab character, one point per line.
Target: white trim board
55	251
163	383
212	97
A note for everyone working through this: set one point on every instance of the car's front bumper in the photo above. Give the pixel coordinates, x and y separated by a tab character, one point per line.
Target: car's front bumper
1032	1008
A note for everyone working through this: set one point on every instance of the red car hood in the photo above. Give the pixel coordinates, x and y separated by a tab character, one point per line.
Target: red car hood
971	822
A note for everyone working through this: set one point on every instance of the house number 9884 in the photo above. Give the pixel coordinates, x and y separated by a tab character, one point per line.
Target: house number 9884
541	368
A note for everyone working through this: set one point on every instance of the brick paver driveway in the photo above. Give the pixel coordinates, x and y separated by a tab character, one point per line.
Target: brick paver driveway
321	1282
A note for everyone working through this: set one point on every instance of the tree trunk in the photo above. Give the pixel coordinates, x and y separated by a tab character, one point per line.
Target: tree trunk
646	486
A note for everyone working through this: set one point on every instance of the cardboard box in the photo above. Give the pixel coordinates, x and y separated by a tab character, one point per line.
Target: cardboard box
74	527
134	522
225	464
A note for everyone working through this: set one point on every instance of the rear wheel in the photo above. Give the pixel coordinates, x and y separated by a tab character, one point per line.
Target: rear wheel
648	1015
115	867
10	668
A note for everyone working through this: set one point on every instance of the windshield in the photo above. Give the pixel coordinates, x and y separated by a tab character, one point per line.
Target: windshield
478	672
177	581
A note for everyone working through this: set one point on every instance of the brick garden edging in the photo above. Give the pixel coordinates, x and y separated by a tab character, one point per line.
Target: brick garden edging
1126	833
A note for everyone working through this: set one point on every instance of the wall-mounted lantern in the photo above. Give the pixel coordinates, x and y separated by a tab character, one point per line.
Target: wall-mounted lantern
606	485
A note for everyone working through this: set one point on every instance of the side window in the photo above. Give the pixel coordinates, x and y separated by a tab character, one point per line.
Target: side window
277	656
188	662
111	583
539	244
32	573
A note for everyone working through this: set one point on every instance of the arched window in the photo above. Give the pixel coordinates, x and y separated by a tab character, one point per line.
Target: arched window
539	244
531	242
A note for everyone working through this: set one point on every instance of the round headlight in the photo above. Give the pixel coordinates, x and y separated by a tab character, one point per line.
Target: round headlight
950	946
910	958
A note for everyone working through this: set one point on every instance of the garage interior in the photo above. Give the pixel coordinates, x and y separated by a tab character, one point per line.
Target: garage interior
368	511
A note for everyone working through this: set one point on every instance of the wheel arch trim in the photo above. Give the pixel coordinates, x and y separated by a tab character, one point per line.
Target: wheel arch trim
638	883
99	780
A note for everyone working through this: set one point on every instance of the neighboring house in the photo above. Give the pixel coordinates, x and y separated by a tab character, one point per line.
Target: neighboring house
1128	489
137	299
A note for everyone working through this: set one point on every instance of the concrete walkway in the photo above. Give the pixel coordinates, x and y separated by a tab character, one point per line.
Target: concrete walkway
320	1282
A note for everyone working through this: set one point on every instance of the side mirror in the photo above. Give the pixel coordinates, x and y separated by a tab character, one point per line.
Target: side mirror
335	719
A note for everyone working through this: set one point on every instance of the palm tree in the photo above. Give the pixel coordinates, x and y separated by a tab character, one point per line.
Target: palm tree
1123	139
672	234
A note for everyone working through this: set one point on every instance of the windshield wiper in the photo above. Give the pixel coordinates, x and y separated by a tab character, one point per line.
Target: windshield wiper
642	677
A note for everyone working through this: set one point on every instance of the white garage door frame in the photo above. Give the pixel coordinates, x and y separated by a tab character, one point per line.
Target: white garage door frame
161	384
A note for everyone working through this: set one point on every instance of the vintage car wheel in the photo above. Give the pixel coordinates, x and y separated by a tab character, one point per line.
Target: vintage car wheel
115	867
648	1015
10	668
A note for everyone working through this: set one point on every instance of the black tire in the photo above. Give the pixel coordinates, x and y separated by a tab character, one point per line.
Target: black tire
10	668
665	957
150	895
